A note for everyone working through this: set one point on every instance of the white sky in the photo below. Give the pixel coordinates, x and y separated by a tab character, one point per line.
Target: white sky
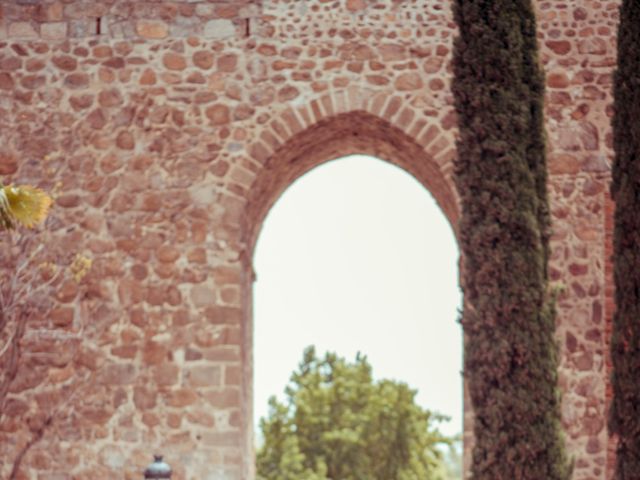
357	256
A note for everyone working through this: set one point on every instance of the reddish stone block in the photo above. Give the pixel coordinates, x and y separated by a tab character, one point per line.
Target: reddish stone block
181	397
356	5
220	315
203	59
288	93
10	63
558	80
560	47
125	140
32	82
167	254
62	317
227	63
148	77
232	375
152	29
102	51
97	119
393	52
8	161
166	374
110	98
377	80
77	80
219	114
436	84
267	50
174	61
34	65
154	353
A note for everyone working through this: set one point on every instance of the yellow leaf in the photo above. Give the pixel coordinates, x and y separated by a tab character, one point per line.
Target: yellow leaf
27	205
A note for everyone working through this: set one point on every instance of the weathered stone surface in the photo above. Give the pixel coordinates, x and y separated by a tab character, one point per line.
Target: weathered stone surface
125	140
356	5
203	59
219	28
62	317
174	61
117	374
182	397
152	29
22	30
409	81
53	30
77	80
110	98
203	376
6	81
167	128
8	163
148	77
65	62
219	114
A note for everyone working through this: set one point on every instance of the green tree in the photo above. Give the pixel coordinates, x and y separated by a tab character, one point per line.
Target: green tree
509	319
338	424
624	419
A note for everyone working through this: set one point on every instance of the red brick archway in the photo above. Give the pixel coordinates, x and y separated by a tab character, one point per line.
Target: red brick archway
328	129
304	138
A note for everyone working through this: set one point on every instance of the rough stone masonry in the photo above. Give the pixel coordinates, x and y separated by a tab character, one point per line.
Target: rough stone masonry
167	129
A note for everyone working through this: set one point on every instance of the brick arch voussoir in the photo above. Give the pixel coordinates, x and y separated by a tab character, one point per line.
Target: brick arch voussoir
344	122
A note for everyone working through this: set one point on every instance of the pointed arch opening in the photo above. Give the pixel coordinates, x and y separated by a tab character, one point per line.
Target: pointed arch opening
284	154
352	133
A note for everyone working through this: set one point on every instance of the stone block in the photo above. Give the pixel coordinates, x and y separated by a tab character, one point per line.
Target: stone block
219	28
152	29
81	28
8	162
174	61
22	30
203	376
53	30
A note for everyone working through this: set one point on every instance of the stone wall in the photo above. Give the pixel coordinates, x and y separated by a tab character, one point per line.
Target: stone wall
168	129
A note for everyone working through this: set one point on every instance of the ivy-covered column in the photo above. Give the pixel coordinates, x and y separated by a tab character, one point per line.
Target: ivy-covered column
511	355
624	417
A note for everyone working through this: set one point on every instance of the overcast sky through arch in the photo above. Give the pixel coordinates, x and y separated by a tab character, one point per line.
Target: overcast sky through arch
357	256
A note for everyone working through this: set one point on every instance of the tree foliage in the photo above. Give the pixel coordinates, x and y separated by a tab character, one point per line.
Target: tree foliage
624	417
511	355
338	424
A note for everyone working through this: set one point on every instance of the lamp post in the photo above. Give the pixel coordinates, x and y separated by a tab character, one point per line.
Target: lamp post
158	469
